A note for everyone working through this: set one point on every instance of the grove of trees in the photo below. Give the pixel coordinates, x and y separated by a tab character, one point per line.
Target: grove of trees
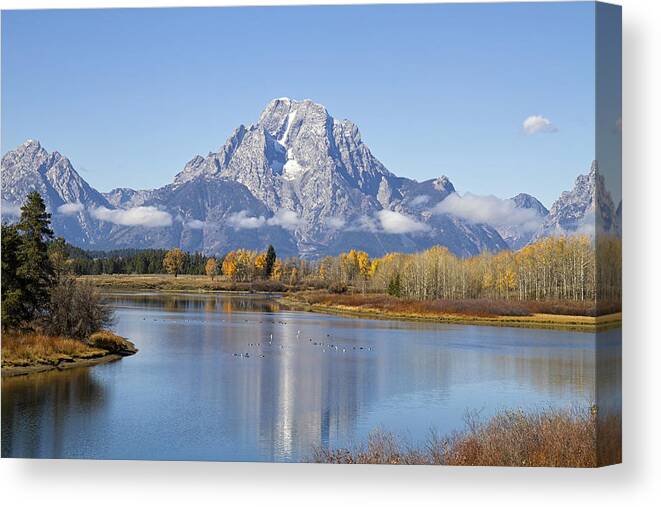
39	291
559	268
130	261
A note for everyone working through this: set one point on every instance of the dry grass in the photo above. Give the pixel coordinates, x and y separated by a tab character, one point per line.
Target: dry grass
465	307
36	349
180	283
513	438
111	342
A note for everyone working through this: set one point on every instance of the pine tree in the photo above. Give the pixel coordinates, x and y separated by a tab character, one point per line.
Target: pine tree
13	310
35	269
270	261
395	286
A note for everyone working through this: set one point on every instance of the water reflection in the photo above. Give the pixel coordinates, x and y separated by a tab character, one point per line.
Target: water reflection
39	409
236	378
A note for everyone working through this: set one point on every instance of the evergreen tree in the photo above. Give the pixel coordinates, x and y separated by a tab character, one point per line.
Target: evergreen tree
13	310
395	286
59	257
35	270
270	261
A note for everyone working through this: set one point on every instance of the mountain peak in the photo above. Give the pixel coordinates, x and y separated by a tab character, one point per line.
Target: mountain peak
280	116
30	147
527	201
587	207
32	143
443	184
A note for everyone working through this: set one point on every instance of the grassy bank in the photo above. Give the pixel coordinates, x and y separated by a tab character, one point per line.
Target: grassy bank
543	314
33	353
512	438
568	315
180	283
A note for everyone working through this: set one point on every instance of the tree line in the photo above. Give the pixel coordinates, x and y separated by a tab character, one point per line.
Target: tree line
573	268
570	268
132	261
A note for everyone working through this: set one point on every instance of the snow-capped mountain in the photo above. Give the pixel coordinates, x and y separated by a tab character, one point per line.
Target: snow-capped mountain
518	236
587	208
30	167
297	178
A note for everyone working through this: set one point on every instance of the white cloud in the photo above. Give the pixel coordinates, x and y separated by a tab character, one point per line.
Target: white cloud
335	223
286	219
242	220
538	124
364	223
420	199
149	216
10	210
70	208
489	210
195	224
393	222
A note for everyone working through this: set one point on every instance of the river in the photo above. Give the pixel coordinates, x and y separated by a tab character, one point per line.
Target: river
237	378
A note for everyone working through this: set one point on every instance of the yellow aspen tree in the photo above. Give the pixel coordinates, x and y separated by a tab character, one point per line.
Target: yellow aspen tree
230	266
211	268
173	262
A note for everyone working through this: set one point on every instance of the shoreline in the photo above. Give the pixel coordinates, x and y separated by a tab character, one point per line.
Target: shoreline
535	321
31	353
198	284
15	371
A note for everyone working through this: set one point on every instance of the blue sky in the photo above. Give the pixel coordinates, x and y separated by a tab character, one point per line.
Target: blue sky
131	95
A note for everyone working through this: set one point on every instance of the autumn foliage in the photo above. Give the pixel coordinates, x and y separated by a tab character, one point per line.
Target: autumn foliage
551	438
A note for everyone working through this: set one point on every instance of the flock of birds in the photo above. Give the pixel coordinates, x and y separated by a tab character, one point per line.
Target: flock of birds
259	346
325	346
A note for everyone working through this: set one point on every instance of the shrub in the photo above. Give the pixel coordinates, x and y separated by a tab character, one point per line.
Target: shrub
552	438
76	310
337	288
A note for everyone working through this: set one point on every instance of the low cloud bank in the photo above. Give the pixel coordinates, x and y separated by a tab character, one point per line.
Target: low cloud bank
393	222
195	224
419	200
284	218
148	216
389	222
10	210
70	208
335	223
489	210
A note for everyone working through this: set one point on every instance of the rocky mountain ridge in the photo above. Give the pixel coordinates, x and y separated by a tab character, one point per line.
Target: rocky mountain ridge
298	179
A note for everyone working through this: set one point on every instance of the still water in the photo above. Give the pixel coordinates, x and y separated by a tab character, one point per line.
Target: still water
237	378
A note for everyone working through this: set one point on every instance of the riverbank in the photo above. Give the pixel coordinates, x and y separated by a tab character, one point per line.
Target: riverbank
475	312
553	438
562	315
24	354
191	283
